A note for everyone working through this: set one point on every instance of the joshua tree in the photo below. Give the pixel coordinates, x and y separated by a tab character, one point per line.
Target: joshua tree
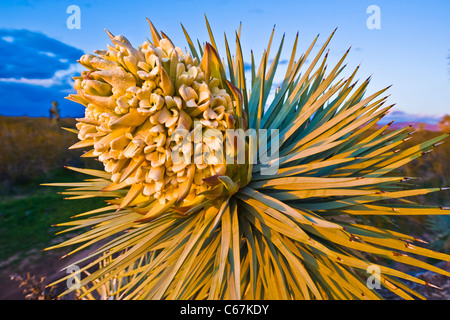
176	228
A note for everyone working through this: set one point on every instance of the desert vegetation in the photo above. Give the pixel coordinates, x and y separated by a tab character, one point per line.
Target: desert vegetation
35	151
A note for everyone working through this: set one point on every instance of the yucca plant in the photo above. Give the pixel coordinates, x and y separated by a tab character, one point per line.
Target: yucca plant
182	229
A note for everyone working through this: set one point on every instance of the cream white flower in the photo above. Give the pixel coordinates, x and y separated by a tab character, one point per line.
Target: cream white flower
138	102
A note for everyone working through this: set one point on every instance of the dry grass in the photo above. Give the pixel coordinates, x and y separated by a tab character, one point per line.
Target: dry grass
33	148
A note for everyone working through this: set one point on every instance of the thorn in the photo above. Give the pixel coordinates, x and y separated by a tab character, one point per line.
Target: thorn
390	123
444	208
407	245
444	188
63	256
420	240
406	139
432	285
397	254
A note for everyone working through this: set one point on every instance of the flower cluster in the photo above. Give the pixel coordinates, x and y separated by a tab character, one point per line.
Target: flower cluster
137	103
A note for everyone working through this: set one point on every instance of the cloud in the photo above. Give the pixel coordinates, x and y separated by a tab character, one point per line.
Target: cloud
280	62
402	116
248	65
59	78
36	70
8	39
33	55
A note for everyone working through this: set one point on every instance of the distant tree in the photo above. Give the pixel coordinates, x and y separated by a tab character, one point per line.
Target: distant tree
54	111
444	124
420	126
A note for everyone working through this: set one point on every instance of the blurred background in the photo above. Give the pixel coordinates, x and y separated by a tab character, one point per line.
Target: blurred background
400	43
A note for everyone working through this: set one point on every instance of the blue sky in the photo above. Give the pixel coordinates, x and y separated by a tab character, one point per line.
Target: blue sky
410	51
